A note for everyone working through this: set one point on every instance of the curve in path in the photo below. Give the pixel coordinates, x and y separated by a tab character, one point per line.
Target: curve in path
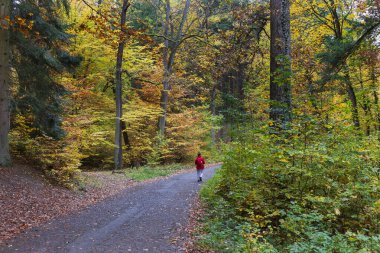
144	218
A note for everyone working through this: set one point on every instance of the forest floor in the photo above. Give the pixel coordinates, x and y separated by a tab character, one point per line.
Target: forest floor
107	217
195	228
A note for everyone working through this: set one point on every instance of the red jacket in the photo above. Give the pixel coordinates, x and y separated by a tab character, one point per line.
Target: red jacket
200	162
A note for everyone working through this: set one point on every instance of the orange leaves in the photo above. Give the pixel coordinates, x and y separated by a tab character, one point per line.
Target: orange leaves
104	25
5	22
19	24
150	92
4	26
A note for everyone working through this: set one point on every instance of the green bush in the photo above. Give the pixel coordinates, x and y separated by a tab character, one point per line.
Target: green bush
298	192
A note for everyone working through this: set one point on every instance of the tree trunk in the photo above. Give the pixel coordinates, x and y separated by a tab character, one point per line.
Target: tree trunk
311	90
5	158
376	99
280	63
352	97
213	113
125	134
164	107
338	30
376	102
366	105
169	52
118	90
165	82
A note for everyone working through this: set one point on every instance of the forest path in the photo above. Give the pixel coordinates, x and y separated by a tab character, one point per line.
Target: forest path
144	218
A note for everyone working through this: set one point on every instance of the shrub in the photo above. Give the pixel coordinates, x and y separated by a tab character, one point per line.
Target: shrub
298	192
58	159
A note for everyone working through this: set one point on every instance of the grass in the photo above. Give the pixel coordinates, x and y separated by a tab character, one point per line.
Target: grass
148	172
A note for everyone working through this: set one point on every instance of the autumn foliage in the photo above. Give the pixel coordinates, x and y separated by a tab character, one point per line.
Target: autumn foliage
290	102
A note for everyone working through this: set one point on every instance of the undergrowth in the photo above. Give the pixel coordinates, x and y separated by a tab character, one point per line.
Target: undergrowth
316	188
148	172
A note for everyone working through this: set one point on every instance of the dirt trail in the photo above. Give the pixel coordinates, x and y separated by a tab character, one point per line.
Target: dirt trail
144	218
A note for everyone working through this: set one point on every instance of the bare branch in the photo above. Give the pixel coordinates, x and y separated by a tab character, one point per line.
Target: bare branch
321	18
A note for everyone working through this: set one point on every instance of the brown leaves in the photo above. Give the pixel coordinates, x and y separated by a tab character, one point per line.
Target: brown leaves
28	200
194	228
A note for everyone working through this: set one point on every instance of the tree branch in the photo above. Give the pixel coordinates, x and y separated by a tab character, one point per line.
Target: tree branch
356	45
322	18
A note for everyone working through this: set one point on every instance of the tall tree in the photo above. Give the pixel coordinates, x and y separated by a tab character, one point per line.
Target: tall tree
341	18
118	89
4	84
172	41
39	58
280	63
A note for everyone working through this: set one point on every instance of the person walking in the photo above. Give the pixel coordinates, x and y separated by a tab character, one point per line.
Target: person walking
200	165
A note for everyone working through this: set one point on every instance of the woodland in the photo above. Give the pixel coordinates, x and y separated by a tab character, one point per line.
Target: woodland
284	92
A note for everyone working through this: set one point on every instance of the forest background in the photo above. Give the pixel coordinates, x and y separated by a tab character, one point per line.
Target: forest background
297	125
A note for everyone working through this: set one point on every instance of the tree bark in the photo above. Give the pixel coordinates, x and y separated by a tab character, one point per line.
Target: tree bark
118	90
213	113
125	134
164	107
280	63
375	98
352	96
5	158
311	90
366	104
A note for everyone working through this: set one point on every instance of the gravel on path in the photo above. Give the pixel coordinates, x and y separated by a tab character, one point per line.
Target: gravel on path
144	218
